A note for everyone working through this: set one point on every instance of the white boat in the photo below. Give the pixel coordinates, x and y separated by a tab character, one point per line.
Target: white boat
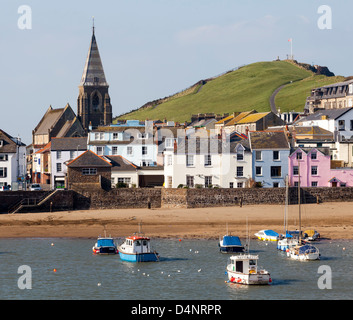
230	244
311	235
289	239
303	252
267	235
243	269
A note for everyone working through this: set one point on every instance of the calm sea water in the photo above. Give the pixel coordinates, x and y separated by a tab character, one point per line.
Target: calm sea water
189	269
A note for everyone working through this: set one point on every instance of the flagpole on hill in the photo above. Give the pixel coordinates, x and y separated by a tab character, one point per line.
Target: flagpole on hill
291	48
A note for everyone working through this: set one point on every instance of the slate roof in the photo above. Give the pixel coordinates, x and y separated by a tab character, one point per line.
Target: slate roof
208	146
49	120
268	140
9	143
69	144
323	150
330	113
93	67
89	159
119	163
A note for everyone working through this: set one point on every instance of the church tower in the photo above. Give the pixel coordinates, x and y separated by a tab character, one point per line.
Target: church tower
93	102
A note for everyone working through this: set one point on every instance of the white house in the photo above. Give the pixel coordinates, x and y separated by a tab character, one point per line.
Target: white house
199	162
338	121
12	160
64	150
132	140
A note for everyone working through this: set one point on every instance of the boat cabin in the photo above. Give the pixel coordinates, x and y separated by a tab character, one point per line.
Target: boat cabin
244	263
137	244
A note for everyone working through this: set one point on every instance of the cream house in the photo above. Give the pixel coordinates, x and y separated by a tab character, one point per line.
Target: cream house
206	162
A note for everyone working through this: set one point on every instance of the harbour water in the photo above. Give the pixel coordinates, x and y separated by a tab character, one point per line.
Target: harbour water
188	270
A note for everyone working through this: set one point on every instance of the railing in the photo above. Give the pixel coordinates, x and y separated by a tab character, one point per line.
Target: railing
31	202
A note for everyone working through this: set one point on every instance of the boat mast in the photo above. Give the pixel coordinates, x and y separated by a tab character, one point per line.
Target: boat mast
300	216
286	209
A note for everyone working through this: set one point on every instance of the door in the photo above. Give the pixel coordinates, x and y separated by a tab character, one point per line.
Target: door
239	266
334	184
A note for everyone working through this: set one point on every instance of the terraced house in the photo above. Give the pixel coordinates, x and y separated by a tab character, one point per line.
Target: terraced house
270	151
196	162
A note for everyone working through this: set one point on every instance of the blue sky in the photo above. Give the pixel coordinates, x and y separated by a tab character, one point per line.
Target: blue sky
153	48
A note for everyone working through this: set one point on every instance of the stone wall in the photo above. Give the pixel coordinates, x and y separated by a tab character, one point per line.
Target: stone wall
119	198
172	198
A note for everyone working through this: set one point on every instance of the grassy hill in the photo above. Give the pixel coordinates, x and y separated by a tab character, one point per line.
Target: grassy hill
246	88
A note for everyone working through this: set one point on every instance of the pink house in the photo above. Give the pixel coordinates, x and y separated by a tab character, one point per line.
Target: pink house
314	167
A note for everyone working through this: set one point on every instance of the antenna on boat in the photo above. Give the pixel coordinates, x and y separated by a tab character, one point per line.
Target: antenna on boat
300	218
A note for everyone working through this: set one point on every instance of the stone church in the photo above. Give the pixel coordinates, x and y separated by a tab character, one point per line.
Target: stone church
93	102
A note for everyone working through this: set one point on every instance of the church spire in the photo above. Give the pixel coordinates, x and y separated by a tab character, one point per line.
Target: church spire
93	72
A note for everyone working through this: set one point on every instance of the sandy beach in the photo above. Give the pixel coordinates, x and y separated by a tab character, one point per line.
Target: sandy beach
332	220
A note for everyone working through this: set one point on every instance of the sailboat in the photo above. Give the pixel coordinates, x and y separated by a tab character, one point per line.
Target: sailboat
288	240
243	269
304	252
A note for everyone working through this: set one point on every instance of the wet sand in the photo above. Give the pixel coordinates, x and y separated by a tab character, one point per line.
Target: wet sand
332	220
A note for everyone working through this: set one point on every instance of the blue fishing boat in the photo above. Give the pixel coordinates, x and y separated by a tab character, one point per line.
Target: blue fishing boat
105	245
137	248
230	244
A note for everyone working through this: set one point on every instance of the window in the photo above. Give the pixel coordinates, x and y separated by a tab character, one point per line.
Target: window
275	155
126	180
3	172
296	183
299	155
95	101
58	154
99	151
276	171
341	125
169	182
208	181
258	171
231	185
144	150
314	170
295	170
189	160
313	156
351	125
72	154
114	150
169	160
276	184
342	184
3	157
168	142
115	136
240	171
240	155
314	183
190	181
99	135
58	167
129	151
89	171
239	184
258	155
208	160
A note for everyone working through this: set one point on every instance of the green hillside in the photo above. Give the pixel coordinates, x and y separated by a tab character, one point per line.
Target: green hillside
293	96
246	88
